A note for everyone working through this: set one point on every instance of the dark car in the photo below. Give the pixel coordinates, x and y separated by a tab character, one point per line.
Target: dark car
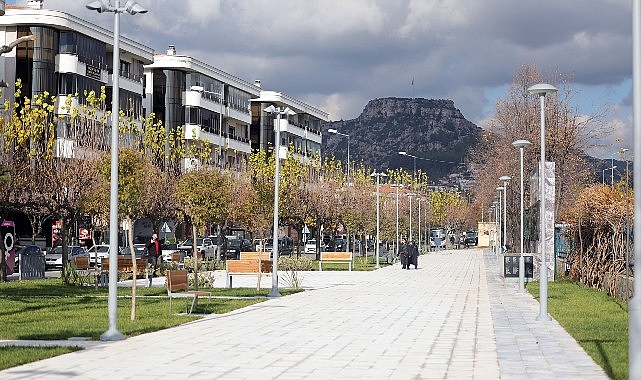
236	246
285	246
471	238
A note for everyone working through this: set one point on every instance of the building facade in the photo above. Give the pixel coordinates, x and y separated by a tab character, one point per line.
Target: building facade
68	56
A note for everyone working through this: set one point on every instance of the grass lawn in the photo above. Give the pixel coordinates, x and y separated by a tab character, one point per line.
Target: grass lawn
360	264
598	322
48	310
14	356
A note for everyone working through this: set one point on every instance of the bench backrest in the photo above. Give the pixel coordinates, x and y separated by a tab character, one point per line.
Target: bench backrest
248	266
347	256
176	280
125	264
81	262
254	255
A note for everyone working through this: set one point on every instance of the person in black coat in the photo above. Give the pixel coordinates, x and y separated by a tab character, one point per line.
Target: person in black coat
412	252
403	255
154	253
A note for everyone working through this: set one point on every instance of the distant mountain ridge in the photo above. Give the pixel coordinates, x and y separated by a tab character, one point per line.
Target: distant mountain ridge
432	129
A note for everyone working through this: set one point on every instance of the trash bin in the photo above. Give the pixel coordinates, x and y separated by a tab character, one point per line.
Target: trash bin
511	266
31	263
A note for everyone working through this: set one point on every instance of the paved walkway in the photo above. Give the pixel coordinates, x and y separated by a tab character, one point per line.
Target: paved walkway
453	318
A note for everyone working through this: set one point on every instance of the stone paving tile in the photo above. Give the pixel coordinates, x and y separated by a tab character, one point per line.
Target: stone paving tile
454	318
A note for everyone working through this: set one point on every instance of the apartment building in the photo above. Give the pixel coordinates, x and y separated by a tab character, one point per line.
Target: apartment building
67	56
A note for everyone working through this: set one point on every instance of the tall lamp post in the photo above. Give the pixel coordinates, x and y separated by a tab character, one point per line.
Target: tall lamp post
541	90
500	214
132	8
334	131
410	196
505	179
521	144
634	304
418	245
396	185
605	170
378	213
279	111
403	153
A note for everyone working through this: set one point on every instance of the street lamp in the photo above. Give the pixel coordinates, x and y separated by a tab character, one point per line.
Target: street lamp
541	90
505	179
500	219
403	153
521	144
279	111
418	245
378	213
396	185
605	170
132	8
410	196
334	131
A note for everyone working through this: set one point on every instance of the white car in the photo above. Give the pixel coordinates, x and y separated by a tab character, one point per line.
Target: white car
205	246
310	246
97	253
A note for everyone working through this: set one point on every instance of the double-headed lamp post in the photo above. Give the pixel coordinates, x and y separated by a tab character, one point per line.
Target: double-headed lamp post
279	111
132	8
521	144
378	213
541	90
334	131
505	179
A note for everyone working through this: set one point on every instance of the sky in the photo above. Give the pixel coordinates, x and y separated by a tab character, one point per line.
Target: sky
339	54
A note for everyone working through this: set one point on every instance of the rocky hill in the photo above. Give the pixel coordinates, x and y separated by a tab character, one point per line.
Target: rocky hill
432	129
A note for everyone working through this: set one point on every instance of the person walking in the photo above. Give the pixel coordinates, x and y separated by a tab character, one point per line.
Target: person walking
403	253
153	254
412	252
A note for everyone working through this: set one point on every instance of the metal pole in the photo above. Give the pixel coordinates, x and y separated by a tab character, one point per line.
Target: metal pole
378	216
634	304
521	258
504	216
419	224
274	292
397	186
543	291
112	332
410	197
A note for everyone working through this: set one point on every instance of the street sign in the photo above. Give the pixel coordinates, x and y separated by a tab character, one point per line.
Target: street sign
165	228
305	229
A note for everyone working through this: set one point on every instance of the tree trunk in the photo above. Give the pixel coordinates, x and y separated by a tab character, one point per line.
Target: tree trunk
132	252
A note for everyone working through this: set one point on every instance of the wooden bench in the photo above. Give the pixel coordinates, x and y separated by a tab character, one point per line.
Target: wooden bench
247	267
177	257
255	255
125	265
177	287
82	267
335	257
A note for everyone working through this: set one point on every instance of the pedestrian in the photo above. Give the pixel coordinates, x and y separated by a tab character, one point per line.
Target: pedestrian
412	252
402	252
153	254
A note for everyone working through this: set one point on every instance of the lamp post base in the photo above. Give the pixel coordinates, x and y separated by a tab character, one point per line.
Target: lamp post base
111	335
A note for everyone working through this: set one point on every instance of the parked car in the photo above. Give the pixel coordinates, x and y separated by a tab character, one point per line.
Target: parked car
140	251
285	246
236	246
206	247
168	250
97	253
471	238
339	245
310	246
259	245
53	258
